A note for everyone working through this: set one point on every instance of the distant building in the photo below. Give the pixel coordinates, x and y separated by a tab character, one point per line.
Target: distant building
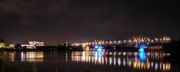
33	44
11	45
6	44
2	43
36	43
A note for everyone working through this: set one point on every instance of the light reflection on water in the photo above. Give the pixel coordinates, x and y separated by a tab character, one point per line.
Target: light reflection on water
134	60
23	56
32	56
130	59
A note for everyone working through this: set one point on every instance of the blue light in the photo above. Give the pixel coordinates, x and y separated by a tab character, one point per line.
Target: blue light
142	56
98	48
141	50
142	45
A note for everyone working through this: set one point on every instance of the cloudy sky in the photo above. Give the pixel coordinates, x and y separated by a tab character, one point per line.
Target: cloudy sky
58	21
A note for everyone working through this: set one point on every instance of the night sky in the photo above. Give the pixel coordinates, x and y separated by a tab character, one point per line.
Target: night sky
58	21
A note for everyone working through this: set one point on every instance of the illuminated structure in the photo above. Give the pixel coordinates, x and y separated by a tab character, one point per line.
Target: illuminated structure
141	47
11	45
141	39
33	44
5	44
36	43
131	41
2	44
98	48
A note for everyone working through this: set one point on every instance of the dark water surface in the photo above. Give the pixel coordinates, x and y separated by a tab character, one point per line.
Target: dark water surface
88	61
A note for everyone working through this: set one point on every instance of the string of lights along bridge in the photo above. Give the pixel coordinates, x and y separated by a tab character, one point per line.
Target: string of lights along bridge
134	40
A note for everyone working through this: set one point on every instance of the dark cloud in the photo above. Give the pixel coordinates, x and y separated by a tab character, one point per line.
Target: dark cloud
56	21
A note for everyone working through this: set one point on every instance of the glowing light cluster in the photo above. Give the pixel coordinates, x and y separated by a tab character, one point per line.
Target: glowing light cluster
134	40
6	44
98	48
2	45
142	54
142	45
33	44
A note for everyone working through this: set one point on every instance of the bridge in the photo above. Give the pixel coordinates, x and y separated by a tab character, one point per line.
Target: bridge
132	41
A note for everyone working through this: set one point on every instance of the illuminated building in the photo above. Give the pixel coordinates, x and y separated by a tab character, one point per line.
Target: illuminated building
11	45
6	44
33	44
2	44
36	43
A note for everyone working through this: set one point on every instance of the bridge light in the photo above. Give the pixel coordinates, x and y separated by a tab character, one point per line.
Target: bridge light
141	50
98	48
142	56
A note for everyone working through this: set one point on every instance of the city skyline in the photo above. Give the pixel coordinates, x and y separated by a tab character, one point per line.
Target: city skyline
89	36
136	38
88	40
